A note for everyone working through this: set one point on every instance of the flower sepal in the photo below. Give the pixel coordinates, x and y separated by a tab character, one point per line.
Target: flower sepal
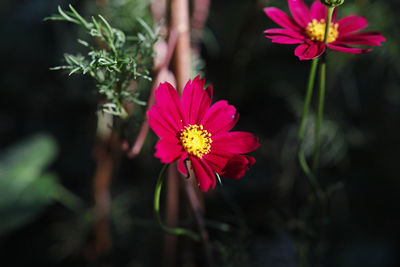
332	3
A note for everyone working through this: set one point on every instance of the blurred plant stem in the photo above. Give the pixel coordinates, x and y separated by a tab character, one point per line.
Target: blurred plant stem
179	14
198	21
179	23
101	182
105	152
322	81
192	193
303	123
321	100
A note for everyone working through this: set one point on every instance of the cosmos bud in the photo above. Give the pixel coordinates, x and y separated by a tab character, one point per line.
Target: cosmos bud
332	3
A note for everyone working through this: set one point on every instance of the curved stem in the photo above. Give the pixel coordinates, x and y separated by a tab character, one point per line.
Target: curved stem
157	193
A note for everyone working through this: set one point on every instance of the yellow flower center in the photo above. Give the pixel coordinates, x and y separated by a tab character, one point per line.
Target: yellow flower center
316	31
195	140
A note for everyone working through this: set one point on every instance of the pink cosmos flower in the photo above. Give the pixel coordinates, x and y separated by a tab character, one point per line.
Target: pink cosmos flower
189	129
307	28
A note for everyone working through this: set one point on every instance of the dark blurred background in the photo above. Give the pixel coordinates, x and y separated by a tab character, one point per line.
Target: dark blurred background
48	125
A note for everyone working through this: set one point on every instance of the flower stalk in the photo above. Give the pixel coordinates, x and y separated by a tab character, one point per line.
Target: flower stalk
320	114
328	23
156	205
306	107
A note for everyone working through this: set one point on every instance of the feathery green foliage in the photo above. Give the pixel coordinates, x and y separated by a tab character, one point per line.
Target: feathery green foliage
114	60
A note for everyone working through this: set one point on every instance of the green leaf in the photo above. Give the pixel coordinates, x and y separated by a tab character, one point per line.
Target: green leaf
218	178
84	43
150	31
79	17
60	68
24	189
74	70
139	102
22	208
109	29
68	18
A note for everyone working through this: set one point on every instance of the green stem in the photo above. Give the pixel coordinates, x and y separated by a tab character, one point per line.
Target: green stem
328	23
67	198
321	100
157	193
300	136
320	114
306	107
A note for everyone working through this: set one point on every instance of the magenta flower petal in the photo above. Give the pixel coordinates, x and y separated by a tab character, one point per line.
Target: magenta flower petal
318	11
221	117
362	38
204	174
351	24
236	142
300	12
284	36
285	40
167	152
346	49
237	166
161	123
282	19
196	100
181	163
168	99
218	159
192	130
309	51
334	15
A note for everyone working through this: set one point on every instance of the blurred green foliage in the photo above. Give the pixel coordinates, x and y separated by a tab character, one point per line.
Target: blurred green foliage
26	188
124	13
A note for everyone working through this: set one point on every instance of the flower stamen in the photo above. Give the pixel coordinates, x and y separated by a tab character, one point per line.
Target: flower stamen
316	31
195	140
